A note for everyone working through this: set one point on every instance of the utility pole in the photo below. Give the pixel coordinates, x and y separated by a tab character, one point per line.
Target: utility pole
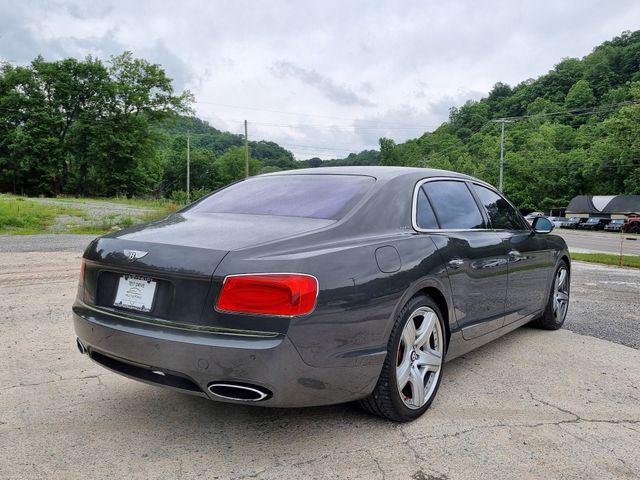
501	155
246	151
502	121
188	166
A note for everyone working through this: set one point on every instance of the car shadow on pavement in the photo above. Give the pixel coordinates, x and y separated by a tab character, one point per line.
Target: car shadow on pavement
145	407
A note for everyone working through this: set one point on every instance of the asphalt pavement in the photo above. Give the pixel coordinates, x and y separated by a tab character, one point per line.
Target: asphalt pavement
600	242
533	404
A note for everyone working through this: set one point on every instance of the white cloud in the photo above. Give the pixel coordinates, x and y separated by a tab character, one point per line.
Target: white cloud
333	74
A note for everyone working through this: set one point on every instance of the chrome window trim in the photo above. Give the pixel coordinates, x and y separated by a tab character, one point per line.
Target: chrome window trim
482	209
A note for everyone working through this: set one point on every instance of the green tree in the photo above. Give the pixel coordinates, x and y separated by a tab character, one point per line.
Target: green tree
230	167
201	166
84	127
579	96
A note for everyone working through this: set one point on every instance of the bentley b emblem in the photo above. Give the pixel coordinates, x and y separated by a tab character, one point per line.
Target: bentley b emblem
133	255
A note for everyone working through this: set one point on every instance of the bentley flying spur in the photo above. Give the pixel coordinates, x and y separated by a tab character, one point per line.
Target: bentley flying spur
320	286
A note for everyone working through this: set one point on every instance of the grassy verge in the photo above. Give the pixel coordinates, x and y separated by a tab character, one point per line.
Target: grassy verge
112	222
607	259
19	216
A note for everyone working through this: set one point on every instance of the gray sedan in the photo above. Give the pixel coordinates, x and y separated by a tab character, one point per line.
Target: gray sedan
320	286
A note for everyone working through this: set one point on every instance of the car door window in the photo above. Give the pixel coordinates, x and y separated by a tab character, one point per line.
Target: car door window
425	218
501	214
454	206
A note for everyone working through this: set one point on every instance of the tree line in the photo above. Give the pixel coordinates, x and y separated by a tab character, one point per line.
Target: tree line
117	128
83	126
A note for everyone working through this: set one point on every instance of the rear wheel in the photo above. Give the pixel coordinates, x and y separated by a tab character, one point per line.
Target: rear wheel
412	369
558	304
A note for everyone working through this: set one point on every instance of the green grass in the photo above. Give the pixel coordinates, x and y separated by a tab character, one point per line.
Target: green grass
608	259
19	216
113	222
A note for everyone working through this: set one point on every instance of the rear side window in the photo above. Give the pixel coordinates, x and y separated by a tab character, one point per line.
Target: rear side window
454	205
425	217
502	215
310	196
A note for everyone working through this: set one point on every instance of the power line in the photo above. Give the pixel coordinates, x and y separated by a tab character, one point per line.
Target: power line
579	111
596	166
302	114
346	147
345	127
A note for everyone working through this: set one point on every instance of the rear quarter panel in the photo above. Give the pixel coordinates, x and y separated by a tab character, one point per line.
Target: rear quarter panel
357	301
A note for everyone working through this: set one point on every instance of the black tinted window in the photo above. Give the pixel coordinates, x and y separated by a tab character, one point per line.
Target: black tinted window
424	213
502	215
454	205
312	196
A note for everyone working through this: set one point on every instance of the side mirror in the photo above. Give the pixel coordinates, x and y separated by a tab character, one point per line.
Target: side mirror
542	225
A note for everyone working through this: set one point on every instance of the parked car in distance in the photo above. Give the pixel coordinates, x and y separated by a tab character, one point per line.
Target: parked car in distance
615	225
557	221
573	222
631	225
594	223
532	216
320	286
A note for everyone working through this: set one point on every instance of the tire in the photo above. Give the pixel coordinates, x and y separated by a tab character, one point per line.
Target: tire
558	303
421	362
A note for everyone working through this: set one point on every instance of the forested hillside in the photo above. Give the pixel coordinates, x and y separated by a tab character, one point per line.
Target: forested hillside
574	130
216	157
93	128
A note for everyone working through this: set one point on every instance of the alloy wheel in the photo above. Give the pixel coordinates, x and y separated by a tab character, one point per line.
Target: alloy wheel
419	357
561	294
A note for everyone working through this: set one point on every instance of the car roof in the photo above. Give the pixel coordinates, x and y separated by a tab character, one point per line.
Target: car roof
379	172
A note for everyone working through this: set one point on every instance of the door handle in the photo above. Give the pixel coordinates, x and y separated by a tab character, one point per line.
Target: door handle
455	263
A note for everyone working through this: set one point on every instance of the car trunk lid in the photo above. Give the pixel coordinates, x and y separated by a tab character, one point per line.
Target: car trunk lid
167	266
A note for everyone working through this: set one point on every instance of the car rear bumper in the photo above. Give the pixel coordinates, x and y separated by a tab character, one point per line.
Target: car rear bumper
190	361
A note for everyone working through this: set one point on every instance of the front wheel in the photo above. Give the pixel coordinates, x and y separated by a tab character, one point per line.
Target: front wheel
412	369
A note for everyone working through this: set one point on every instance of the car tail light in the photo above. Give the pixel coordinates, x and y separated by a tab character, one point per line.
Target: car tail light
269	294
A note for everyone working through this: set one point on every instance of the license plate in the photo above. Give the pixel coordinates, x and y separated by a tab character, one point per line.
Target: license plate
135	293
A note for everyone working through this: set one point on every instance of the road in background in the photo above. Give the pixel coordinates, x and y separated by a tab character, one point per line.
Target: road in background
599	242
59	242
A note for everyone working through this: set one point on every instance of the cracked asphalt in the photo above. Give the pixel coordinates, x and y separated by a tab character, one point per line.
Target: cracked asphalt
533	404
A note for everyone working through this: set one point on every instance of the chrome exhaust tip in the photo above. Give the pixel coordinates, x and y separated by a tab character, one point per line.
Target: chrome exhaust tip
81	348
241	393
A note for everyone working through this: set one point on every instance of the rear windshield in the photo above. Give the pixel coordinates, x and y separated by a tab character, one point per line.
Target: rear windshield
310	196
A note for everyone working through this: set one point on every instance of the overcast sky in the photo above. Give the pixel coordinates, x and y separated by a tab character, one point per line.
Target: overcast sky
322	78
